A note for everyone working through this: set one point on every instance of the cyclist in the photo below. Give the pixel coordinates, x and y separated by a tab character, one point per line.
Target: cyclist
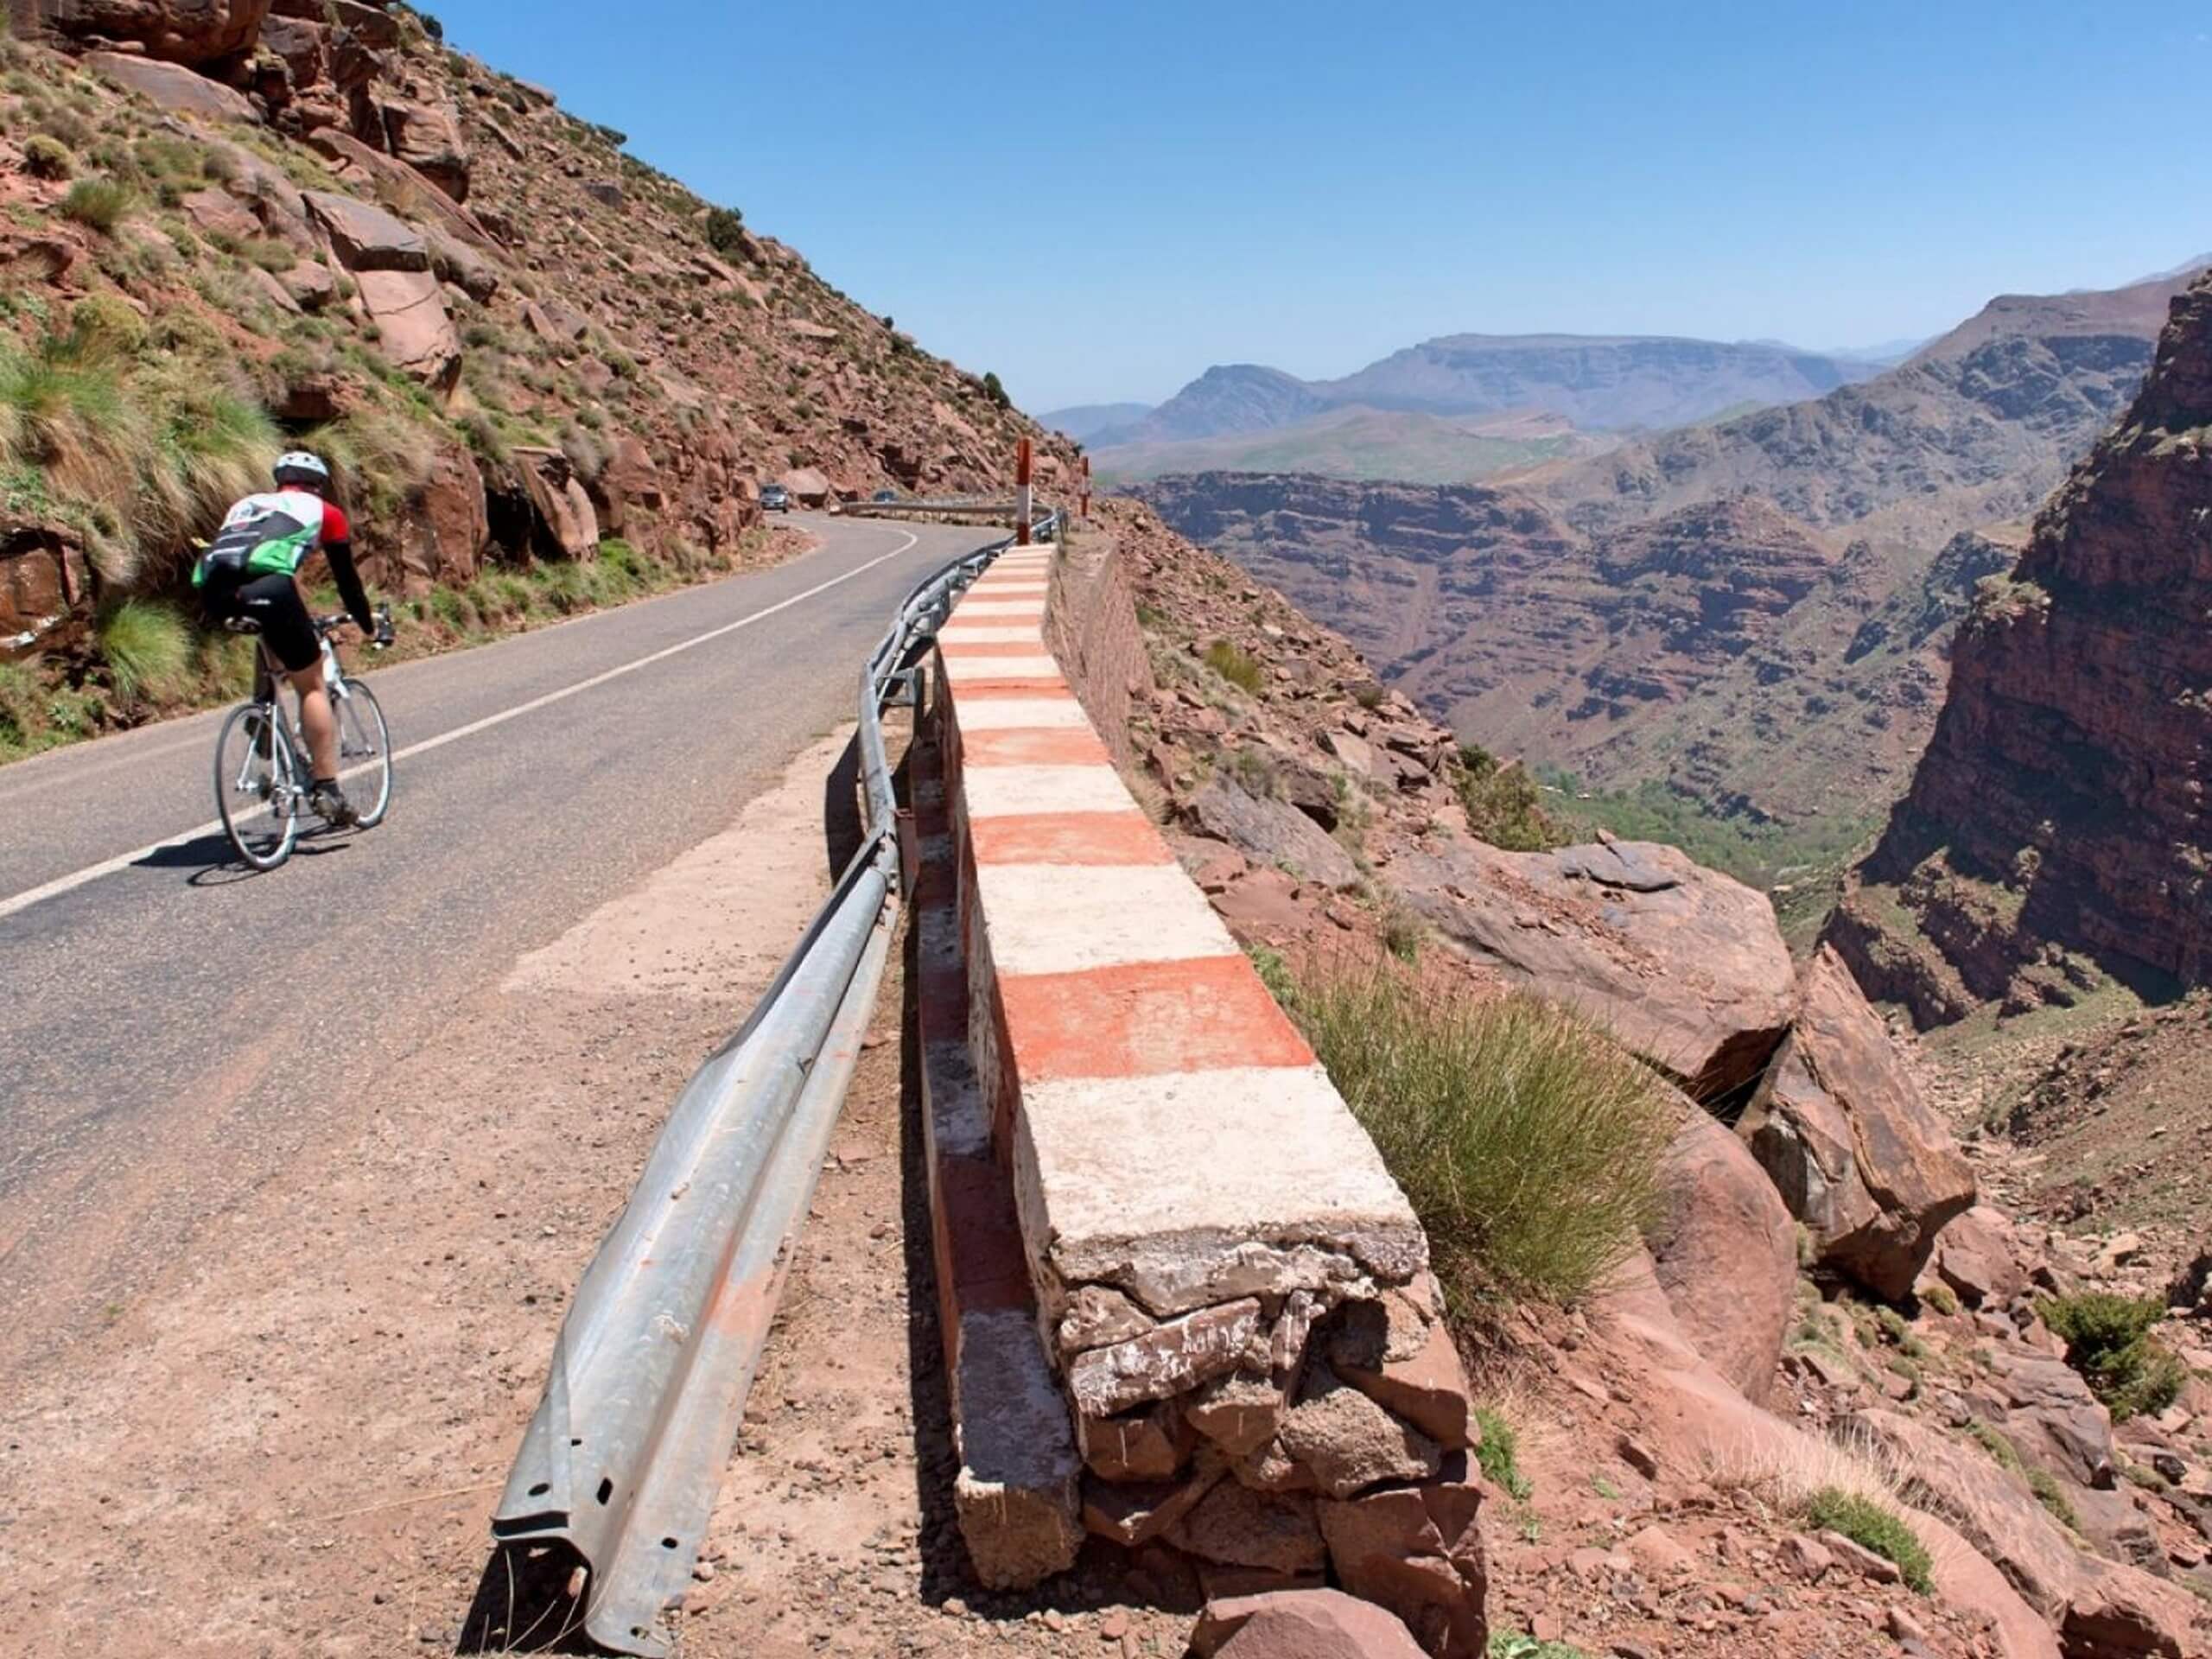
250	571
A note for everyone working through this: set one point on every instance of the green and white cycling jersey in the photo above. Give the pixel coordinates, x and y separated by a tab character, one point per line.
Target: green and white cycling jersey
272	534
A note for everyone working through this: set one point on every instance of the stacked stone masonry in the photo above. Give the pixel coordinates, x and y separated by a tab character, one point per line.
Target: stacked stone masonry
1152	1206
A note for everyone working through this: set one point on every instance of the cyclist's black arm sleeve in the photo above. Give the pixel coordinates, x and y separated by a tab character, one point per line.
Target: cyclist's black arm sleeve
341	555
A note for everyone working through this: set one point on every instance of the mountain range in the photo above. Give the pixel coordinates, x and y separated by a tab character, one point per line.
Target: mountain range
1751	614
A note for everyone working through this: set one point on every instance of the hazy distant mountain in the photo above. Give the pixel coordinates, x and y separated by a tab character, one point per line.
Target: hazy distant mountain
1083	421
1359	442
1598	383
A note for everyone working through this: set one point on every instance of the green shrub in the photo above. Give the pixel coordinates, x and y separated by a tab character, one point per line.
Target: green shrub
1368	694
725	230
997	392
100	204
2000	1449
1498	1454
1941	1299
1402	931
271	253
1871	1526
1504	803
2108	1341
48	157
1235	665
1526	1142
146	645
2052	1496
106	321
171	161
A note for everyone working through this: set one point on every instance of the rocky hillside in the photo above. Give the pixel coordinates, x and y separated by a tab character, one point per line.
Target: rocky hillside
1751	617
237	227
1354	441
2055	839
1673	1432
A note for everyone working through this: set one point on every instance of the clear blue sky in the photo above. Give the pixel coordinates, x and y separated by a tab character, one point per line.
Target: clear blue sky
1099	201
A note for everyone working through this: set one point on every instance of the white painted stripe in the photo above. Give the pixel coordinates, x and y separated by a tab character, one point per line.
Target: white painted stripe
997	588
995	791
968	670
1179	1175
988	633
1019	714
91	872
1029	607
1055	918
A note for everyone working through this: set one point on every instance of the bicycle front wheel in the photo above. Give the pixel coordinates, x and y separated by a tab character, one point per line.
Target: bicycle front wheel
257	785
365	750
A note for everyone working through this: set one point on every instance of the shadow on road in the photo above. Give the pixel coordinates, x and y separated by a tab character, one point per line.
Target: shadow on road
215	863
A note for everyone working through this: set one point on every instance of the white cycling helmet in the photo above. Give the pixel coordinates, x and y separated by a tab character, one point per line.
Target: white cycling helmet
301	467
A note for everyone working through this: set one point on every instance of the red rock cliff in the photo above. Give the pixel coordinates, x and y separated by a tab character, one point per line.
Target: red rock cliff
2056	828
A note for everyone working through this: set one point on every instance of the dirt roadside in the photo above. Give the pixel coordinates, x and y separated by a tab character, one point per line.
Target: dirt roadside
291	1444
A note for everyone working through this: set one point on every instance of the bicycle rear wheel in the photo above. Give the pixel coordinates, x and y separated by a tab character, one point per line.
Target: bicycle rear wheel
364	750
257	785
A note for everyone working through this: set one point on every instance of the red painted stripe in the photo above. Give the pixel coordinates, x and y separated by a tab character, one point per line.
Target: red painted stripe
1147	1018
1071	838
1034	745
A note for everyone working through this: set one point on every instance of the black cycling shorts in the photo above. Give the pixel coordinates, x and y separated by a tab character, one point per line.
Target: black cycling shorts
274	601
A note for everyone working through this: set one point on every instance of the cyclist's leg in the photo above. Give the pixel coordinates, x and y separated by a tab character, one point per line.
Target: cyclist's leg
287	632
315	720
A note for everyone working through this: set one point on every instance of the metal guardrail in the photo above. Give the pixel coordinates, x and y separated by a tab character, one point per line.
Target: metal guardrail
647	1387
950	508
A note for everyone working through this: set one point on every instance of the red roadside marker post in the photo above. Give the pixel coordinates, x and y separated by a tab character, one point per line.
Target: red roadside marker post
1021	463
1083	511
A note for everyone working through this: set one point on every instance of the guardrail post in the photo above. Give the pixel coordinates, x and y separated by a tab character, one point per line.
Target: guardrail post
1021	502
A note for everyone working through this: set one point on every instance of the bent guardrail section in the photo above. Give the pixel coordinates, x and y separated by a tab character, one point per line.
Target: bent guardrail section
624	1454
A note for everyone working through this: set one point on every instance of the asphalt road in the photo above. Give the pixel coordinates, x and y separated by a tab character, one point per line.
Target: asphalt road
174	1029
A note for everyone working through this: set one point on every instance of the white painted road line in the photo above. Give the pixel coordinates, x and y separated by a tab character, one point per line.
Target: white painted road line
91	872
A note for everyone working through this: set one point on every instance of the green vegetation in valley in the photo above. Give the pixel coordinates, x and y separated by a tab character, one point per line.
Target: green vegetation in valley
2108	1341
1799	867
1876	1527
1515	1644
1526	1141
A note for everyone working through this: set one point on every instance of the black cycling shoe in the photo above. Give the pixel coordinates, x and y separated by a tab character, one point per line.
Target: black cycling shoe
329	801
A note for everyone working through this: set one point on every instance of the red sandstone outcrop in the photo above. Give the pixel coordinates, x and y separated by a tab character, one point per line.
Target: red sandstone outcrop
1858	1156
178	31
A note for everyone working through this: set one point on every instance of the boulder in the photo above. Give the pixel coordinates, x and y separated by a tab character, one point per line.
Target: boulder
172	87
1859	1156
220	213
1682	964
2122	1612
310	284
374	27
302	45
2192	1290
42	574
808	485
1269	832
366	237
171	31
564	513
444	526
1996	1512
457	262
1300	1624
1977	1255
414	331
2047	1413
400	187
631	479
1726	1252
425	133
1418	1551
1147	1444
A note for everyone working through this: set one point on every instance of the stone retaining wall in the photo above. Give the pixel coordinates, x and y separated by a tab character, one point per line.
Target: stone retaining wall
1226	1288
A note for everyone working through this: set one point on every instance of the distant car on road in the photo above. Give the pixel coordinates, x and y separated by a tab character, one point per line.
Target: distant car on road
885	495
774	498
